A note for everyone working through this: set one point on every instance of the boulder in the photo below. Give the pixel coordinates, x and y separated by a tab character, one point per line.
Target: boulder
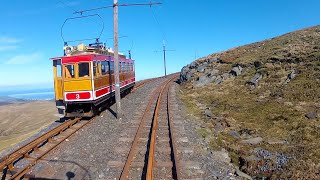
186	74
208	113
311	115
218	80
218	127
255	79
213	59
201	68
222	155
193	65
183	74
291	76
257	64
234	134
225	76
252	141
214	72
204	80
236	71
242	174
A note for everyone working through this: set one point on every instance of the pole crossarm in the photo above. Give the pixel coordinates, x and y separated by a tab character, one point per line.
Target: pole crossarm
111	6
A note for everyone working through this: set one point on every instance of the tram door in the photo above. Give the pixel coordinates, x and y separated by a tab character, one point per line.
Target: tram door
57	73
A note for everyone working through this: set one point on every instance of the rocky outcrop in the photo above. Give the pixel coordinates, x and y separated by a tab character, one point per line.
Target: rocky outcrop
186	74
254	80
206	72
236	71
291	76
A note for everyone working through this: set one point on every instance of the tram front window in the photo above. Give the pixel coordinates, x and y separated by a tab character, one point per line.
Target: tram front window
83	69
69	71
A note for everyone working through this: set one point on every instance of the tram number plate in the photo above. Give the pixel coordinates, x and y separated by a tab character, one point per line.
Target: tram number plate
78	96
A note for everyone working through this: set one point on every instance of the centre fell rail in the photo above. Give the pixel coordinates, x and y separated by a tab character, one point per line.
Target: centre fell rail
160	131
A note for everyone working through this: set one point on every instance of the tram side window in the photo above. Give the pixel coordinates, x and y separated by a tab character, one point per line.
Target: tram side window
111	67
83	69
123	65
108	66
104	67
69	71
57	64
120	63
95	68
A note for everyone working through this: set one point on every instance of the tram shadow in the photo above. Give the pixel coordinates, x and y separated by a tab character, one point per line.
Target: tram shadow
69	171
107	106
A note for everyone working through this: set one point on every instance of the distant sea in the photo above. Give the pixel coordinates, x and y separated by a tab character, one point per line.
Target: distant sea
34	96
27	94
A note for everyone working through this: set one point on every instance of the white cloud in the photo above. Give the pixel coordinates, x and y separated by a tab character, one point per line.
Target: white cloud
9	40
8	43
7	47
24	58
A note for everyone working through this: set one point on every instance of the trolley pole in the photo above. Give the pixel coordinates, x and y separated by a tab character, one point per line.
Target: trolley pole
116	59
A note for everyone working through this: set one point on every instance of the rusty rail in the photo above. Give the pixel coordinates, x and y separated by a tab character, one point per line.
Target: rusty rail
37	145
172	139
151	160
142	83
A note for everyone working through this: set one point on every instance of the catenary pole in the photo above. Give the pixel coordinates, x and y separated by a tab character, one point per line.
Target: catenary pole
164	59
164	50
116	59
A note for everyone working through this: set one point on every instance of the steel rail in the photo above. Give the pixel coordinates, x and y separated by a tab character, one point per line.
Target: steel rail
151	154
7	163
25	170
133	149
9	159
140	85
176	162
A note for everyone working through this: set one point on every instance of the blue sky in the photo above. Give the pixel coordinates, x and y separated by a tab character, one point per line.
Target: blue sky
30	31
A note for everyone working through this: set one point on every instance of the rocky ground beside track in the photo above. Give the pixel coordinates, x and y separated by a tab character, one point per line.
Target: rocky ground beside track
260	103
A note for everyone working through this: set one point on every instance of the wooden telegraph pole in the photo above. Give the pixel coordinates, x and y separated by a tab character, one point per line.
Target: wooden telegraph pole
116	45
116	58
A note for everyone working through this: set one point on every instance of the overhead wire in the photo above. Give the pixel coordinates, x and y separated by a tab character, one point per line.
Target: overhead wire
158	23
66	5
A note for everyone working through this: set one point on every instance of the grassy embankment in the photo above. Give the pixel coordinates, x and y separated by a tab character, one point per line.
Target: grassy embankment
274	111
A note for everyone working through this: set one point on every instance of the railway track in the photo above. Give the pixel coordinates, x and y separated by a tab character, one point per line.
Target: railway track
33	151
155	138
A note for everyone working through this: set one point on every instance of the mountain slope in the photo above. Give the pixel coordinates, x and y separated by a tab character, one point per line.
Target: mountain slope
261	103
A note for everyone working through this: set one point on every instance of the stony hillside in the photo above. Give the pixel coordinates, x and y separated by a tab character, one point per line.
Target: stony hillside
261	103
